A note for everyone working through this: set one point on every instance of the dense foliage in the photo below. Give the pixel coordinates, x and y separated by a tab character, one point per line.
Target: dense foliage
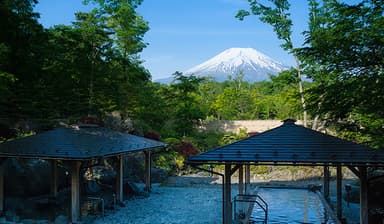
89	67
276	13
93	67
183	105
344	55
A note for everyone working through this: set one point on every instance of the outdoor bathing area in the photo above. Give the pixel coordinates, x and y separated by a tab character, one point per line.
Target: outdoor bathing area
287	145
193	200
293	145
288	205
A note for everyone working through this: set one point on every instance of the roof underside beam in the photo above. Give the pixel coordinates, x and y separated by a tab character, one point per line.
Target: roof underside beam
354	171
234	169
284	163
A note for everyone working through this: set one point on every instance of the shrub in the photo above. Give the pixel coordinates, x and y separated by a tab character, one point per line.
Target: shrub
186	149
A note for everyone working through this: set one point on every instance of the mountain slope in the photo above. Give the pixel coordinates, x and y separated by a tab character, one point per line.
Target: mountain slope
255	65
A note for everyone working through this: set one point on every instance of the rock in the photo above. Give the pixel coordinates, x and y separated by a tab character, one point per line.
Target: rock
315	187
92	187
6	132
376	190
33	221
134	167
115	121
61	219
282	175
87	219
3	220
131	188
11	216
103	174
29	177
158	175
26	126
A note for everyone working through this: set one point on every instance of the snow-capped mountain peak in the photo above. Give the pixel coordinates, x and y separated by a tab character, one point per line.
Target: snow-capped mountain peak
255	65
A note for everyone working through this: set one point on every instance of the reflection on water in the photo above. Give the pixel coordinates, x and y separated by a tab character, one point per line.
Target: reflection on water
292	206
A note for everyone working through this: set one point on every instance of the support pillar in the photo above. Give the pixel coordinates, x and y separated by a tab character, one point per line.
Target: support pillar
1	186
54	178
227	216
363	195
247	179
339	184
75	191
119	178
241	179
326	183
148	165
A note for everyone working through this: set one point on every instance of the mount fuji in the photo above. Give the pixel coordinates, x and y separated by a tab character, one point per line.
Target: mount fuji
255	66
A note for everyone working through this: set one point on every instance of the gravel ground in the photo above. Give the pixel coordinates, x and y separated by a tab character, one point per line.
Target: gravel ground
171	205
190	200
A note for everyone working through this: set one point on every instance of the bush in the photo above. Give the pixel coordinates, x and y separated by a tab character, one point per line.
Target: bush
186	149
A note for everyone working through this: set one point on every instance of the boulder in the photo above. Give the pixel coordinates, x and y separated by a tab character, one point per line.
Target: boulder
376	191
29	177
61	219
116	121
101	174
158	175
134	167
11	216
34	221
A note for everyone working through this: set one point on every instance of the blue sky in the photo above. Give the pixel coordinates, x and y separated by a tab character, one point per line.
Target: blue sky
184	33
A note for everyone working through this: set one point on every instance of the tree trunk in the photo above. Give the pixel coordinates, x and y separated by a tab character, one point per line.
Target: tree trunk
301	90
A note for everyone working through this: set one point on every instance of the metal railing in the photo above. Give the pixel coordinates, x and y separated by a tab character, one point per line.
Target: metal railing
98	200
244	205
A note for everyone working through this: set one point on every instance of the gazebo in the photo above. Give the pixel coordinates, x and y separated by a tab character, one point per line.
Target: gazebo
75	146
293	145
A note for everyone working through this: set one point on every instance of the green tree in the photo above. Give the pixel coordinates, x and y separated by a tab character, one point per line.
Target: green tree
235	102
344	54
277	16
187	111
21	42
154	109
208	90
89	67
126	28
97	73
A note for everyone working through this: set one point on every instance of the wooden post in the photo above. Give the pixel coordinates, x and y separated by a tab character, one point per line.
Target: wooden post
326	182
339	177
227	195
363	195
54	178
241	180
247	179
75	191
148	165
119	178
1	186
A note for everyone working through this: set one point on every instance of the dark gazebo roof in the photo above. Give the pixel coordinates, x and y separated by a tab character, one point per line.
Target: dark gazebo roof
77	144
292	144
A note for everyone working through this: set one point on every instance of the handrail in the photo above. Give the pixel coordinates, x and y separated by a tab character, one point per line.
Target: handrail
266	207
253	199
101	200
265	211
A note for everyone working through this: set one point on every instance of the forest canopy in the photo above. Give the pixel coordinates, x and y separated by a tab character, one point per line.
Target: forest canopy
89	67
93	67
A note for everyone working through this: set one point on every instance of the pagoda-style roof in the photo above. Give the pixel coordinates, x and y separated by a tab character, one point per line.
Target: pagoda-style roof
76	144
292	144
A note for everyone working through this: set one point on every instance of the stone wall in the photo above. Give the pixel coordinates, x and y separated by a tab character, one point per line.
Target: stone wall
235	126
